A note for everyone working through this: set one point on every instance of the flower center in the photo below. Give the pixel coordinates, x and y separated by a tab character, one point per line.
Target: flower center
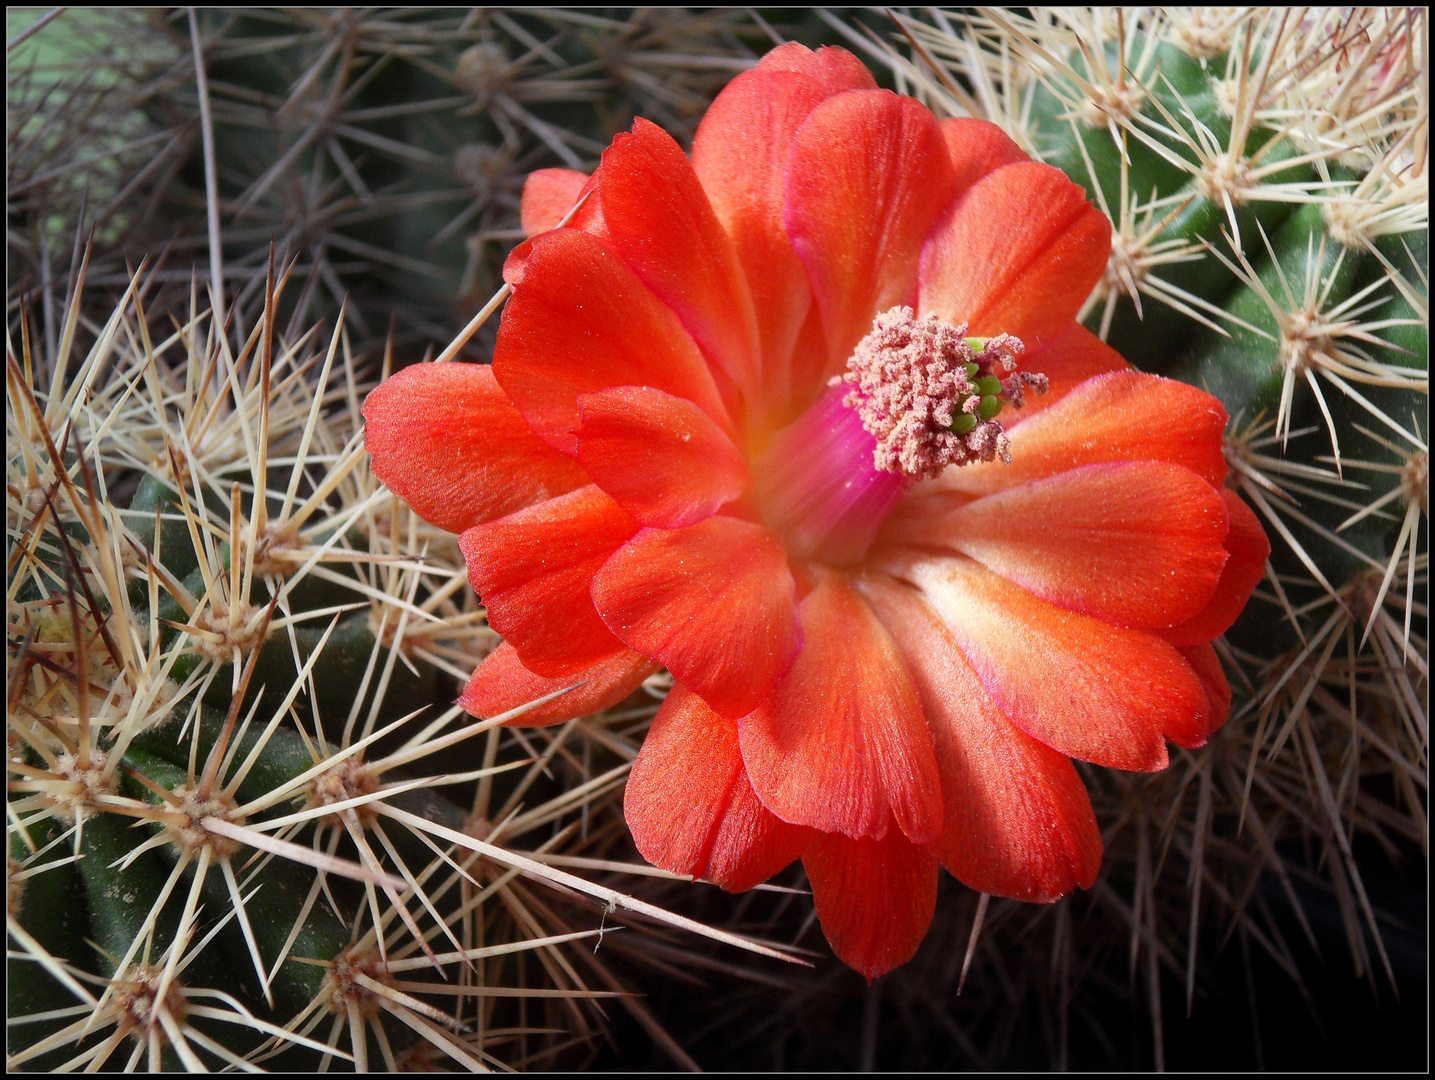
918	396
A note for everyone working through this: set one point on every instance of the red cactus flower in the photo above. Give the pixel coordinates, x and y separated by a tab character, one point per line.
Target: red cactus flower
752	417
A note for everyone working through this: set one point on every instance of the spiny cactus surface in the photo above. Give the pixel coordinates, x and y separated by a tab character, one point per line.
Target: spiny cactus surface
225	845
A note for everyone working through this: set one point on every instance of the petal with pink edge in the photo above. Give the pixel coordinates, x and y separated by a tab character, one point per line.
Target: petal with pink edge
841	744
447	441
1093	691
875	898
1067	359
1137	543
833	67
501	683
714	602
660	222
1018	820
740	155
533	569
867	177
690	807
1249	549
662	458
1120	416
1017	254
548	196
978	147
579	322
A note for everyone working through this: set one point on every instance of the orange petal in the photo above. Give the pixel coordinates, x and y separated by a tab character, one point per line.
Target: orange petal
1120	416
502	683
1018	820
1019	253
1136	543
691	808
834	68
875	898
1067	359
580	321
661	457
868	175
532	569
659	220
447	441
841	744
714	602
1093	691
978	147
1207	666
740	155
1249	548
548	195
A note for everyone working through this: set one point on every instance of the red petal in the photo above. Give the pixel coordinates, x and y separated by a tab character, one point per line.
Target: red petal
1121	416
588	218
875	898
1067	360
659	220
532	570
1249	549
1207	666
661	457
978	147
1094	691
867	177
502	683
1019	253
714	602
1018	820
740	154
691	808
842	740
548	195
834	68
580	321
1136	543
446	440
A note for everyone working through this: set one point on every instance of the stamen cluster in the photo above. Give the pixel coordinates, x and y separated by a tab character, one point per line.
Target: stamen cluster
929	397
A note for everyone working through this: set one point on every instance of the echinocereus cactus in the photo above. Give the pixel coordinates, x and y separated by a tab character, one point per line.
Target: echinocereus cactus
713	438
1264	176
229	841
1265	173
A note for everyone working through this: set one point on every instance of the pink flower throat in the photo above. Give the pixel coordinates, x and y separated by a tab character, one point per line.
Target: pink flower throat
918	396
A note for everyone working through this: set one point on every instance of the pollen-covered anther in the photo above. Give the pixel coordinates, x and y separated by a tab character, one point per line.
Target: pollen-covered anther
929	395
349	779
